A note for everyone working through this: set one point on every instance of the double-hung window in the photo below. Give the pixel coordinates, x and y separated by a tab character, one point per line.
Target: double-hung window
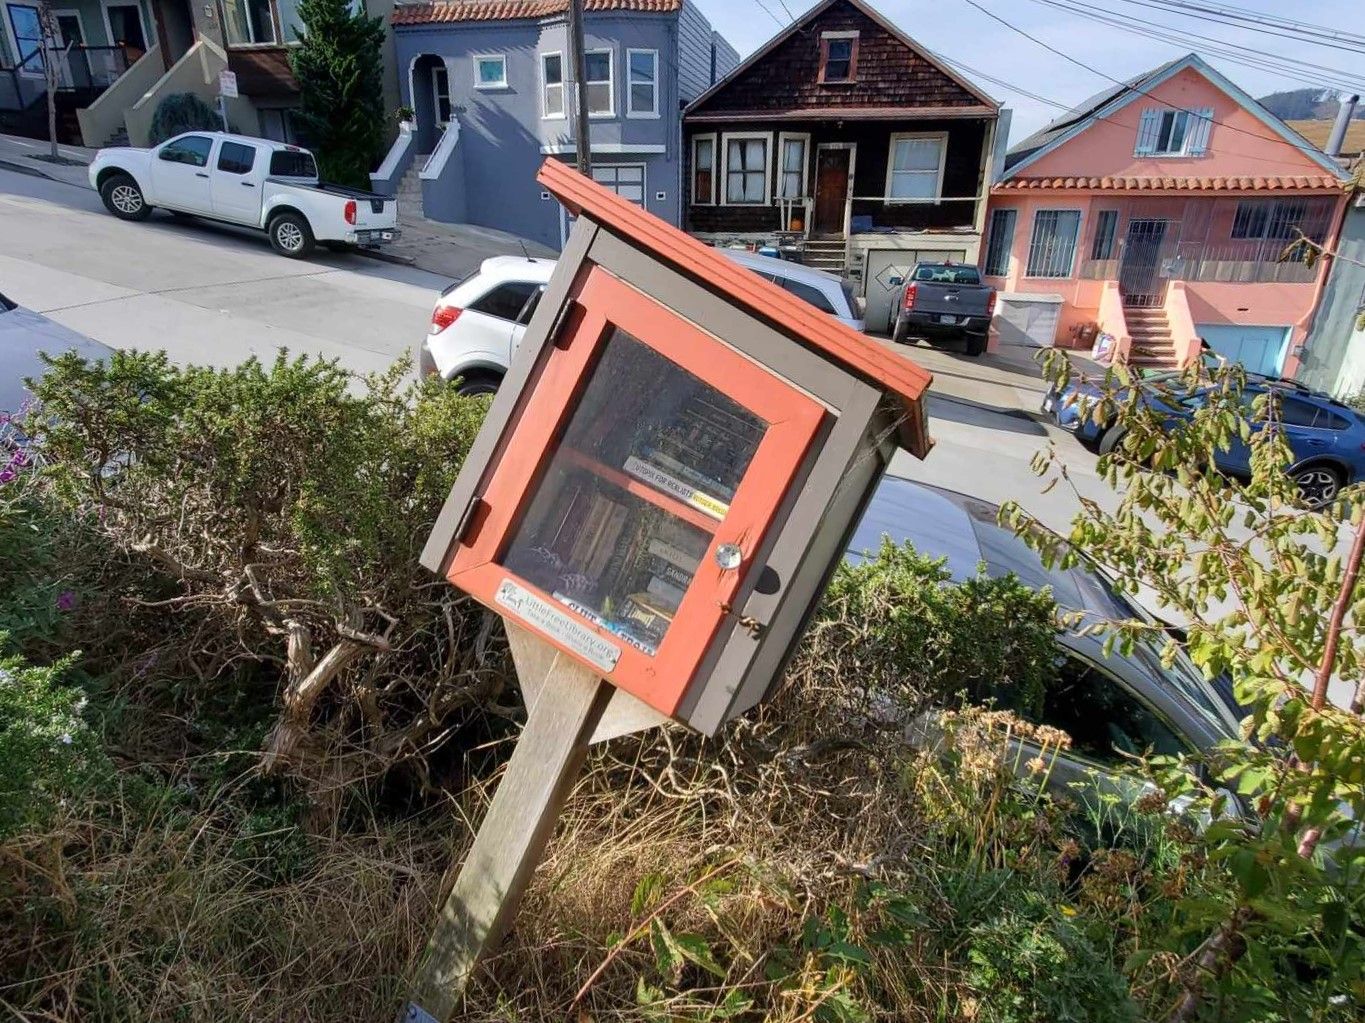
642	83
746	169
791	165
838	57
703	170
490	71
551	85
248	22
1001	241
1174	132
601	101
1106	232
1052	249
914	169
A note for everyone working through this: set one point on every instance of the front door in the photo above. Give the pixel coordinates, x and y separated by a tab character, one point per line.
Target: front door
1140	279
831	190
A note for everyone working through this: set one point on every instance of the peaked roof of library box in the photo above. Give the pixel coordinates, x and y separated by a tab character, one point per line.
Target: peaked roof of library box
866	359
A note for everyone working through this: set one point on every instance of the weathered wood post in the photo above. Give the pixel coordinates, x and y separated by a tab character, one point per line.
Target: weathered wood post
669	473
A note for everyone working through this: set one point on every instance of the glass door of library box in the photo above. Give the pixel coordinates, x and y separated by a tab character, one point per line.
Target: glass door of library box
634	489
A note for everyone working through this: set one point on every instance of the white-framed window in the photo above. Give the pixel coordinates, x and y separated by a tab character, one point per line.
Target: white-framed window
1052	246
703	170
625	179
1174	132
793	156
552	85
914	165
745	180
490	71
248	23
1000	241
440	94
598	76
642	83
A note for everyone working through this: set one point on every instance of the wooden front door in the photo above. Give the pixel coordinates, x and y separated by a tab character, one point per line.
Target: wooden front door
831	190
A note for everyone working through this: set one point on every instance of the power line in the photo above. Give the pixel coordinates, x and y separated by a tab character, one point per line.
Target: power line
768	11
1307	73
1305	148
1270	24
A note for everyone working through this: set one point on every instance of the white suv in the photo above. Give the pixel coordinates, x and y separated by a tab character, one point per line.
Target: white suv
478	322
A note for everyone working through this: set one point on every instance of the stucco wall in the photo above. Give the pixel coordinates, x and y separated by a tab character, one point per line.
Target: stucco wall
504	138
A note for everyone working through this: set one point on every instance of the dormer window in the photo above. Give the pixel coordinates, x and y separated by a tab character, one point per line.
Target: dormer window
1174	132
838	57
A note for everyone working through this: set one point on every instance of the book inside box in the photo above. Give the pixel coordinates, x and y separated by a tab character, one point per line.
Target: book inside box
648	464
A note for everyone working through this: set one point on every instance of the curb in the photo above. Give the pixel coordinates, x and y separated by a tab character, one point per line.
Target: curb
18	167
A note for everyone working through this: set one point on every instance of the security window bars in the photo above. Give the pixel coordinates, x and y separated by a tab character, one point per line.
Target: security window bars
746	170
1001	242
1106	228
1052	249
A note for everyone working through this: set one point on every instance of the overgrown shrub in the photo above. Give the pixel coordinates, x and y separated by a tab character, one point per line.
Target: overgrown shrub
182	112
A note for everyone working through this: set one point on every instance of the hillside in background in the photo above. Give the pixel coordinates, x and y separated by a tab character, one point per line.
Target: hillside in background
1306	104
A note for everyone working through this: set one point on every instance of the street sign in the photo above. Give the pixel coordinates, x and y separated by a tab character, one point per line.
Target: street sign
227	84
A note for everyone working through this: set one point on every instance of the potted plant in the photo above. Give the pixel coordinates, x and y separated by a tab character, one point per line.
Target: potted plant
406	117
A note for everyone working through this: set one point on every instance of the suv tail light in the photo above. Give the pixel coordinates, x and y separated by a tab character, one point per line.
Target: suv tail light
990	304
910	290
350	211
442	317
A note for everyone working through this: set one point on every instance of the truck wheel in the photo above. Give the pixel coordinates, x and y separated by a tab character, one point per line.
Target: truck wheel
291	236
899	331
123	198
976	345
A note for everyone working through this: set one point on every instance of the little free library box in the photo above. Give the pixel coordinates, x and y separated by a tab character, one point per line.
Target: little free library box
662	486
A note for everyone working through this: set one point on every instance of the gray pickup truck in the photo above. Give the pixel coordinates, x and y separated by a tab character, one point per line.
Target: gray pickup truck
942	301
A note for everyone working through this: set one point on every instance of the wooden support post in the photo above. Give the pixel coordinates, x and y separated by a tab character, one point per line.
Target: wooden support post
569	701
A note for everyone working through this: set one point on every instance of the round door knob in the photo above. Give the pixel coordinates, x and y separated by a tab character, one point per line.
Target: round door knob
728	556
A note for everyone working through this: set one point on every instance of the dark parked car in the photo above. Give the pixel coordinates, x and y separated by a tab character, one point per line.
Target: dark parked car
1326	437
1114	707
942	301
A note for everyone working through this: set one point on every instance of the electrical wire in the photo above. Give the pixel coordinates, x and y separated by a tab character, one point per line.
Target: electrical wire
1306	148
1307	72
1260	21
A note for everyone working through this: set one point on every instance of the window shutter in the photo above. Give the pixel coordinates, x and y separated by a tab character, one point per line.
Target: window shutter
1148	127
1199	131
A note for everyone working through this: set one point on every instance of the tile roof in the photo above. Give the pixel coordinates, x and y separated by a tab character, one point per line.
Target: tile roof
508	10
1273	183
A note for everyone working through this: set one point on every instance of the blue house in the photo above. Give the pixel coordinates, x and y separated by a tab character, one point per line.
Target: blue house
489	83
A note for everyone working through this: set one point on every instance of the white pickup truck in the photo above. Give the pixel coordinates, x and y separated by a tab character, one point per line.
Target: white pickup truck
242	180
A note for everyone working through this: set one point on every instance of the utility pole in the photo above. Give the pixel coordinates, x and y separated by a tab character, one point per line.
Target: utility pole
580	88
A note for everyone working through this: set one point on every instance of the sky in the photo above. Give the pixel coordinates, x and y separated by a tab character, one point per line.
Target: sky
960	32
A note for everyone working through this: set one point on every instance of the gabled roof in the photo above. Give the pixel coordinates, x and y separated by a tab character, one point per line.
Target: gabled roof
866	9
1105	103
423	13
869	360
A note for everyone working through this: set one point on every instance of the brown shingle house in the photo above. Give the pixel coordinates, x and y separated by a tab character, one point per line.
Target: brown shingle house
845	144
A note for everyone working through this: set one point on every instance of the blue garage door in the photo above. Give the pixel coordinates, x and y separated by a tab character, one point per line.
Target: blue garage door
1258	349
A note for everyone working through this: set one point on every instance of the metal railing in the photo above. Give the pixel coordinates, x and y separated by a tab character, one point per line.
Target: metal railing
78	68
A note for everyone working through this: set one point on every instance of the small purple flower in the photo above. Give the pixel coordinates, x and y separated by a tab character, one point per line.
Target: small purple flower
7	474
66	600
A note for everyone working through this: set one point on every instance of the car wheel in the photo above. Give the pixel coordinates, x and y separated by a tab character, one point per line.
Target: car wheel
1112	438
976	345
1319	485
124	199
478	383
291	236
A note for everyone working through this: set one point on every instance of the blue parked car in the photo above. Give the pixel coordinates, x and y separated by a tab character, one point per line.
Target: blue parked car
1326	437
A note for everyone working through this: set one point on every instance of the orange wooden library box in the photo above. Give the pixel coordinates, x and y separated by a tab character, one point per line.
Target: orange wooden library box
673	464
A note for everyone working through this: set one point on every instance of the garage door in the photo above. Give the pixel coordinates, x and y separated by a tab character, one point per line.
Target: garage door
1258	349
882	265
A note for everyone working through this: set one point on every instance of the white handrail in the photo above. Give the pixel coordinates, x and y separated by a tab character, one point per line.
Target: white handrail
436	162
395	155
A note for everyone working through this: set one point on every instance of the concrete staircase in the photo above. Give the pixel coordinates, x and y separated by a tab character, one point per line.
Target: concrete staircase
1152	347
409	193
828	254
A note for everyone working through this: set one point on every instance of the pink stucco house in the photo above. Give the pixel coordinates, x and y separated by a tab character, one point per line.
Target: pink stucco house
1158	210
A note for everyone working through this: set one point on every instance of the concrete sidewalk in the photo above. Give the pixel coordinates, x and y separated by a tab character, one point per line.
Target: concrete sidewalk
29	156
454	250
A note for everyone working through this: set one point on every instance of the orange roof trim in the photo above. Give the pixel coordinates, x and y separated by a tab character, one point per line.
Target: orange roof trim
1297	182
869	360
510	10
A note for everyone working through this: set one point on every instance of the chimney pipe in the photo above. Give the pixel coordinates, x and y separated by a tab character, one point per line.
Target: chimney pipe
1344	114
